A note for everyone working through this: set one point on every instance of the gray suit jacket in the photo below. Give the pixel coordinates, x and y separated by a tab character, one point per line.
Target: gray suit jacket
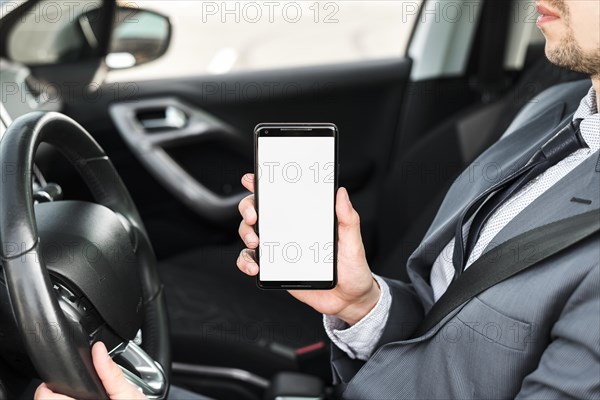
535	335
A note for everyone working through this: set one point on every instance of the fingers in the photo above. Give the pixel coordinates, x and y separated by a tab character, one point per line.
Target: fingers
247	210
350	240
43	392
115	384
117	387
248	182
246	231
248	235
246	262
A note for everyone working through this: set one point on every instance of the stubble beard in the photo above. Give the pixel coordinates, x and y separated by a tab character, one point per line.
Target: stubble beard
568	54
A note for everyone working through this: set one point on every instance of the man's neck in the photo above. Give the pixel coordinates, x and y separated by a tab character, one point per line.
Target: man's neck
596	84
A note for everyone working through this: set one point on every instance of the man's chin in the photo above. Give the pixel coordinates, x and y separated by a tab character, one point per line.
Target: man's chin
553	55
572	62
560	53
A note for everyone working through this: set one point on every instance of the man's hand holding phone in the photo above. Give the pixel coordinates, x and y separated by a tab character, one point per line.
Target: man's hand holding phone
356	292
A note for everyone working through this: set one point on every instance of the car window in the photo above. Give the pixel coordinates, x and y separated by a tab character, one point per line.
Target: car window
7	6
210	37
49	32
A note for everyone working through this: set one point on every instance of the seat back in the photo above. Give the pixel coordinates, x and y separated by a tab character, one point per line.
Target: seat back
419	178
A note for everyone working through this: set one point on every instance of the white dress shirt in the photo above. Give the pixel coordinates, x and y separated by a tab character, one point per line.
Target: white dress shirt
359	340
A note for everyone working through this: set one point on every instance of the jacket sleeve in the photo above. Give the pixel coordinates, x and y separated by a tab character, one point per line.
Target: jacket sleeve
570	366
405	314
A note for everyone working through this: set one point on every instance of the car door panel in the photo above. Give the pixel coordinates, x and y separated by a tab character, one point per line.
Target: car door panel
214	150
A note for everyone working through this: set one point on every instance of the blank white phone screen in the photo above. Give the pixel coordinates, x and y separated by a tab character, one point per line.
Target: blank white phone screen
296	185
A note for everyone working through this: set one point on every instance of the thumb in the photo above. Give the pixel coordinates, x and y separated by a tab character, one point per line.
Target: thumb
349	239
117	387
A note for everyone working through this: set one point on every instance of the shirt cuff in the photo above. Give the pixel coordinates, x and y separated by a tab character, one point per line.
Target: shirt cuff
359	340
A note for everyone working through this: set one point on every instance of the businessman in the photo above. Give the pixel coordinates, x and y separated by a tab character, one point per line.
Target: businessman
535	334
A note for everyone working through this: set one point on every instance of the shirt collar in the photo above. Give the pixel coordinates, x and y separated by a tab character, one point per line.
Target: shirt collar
590	126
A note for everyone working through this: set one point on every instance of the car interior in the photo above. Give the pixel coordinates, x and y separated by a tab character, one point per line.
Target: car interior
408	127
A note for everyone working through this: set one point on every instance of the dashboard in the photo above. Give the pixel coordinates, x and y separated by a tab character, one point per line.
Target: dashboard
19	97
22	93
38	180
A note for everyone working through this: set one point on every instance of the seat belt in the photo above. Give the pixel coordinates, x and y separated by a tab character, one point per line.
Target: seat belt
500	263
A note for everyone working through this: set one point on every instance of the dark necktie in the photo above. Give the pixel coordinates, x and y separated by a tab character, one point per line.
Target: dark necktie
567	141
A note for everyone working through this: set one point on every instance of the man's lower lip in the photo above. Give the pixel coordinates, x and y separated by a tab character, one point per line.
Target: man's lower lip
546	18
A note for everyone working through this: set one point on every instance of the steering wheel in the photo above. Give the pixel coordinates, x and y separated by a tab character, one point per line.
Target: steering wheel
105	287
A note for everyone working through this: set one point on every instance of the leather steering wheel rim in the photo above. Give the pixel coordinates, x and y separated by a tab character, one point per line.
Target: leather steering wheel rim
63	359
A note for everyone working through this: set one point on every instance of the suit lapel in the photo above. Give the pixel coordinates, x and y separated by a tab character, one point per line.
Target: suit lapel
576	193
493	165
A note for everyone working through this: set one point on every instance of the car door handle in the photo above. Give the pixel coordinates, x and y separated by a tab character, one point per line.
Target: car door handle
163	119
150	126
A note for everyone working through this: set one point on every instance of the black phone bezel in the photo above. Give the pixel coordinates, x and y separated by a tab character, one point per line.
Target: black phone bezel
297	130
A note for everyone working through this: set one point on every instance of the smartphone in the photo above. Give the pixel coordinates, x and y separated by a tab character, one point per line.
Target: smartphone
295	185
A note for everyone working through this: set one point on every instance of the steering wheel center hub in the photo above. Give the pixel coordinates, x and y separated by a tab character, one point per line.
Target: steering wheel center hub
86	247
